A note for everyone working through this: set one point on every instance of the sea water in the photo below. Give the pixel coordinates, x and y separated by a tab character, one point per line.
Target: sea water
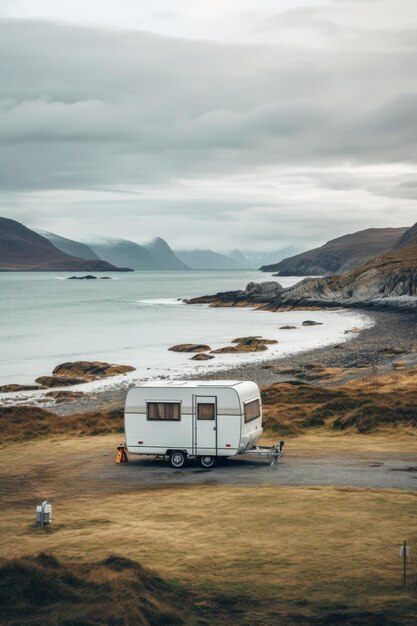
135	317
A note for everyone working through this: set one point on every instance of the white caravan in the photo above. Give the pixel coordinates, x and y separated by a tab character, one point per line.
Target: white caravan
203	419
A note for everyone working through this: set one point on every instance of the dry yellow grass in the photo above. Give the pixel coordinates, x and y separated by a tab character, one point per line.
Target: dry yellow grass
299	551
44	591
365	405
20	423
322	441
308	551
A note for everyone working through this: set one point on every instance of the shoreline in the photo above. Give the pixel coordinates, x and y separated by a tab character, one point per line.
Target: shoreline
367	349
365	352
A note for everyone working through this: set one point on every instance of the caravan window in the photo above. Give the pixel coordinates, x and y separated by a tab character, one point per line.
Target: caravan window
205	411
167	411
252	410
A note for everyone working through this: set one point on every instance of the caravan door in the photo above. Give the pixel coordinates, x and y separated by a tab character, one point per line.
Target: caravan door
205	425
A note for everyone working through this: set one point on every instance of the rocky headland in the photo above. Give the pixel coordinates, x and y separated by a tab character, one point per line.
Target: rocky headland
387	281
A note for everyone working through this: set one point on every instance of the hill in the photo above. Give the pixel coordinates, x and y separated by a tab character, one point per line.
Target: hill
69	246
389	279
22	249
155	255
338	255
389	275
408	237
208	260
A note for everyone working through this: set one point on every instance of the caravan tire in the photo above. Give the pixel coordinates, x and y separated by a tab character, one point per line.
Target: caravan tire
207	461
177	459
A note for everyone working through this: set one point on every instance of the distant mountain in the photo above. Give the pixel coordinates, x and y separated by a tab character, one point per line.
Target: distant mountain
208	260
338	255
123	252
254	259
22	249
155	255
69	246
237	256
164	257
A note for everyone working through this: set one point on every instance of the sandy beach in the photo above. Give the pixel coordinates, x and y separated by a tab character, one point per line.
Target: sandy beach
374	350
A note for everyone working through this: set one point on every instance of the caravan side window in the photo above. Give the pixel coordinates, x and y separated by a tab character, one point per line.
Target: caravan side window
163	411
252	410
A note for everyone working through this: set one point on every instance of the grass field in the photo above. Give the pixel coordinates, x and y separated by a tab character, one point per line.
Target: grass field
252	555
302	553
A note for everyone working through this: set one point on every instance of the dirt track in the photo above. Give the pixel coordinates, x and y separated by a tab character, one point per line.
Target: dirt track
71	467
376	471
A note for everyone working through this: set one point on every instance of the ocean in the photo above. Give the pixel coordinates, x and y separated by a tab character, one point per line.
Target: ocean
135	317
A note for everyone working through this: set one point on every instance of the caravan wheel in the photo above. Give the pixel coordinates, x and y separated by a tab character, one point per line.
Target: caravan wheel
207	461
177	459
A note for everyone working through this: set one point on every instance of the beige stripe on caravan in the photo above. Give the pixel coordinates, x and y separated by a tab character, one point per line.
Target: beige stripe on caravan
184	412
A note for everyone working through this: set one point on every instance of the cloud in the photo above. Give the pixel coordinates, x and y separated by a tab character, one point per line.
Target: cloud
87	109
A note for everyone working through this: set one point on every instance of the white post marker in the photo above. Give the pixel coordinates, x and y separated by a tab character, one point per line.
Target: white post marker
404	554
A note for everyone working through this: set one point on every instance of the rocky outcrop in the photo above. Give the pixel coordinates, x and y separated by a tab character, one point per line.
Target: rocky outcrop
388	280
254	340
59	381
338	255
12	387
257	292
241	347
64	396
89	277
246	344
91	370
190	347
77	372
202	356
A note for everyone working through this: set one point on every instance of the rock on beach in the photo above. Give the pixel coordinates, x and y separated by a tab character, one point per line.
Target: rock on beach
77	372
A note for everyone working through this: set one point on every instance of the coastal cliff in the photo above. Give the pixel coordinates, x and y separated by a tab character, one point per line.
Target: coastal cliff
388	280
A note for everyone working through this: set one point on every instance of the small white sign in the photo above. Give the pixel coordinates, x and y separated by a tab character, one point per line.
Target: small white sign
407	552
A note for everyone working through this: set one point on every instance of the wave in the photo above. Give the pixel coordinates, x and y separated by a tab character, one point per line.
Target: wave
156	301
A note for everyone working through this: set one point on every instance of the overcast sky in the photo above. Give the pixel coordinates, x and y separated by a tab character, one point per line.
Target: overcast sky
255	124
